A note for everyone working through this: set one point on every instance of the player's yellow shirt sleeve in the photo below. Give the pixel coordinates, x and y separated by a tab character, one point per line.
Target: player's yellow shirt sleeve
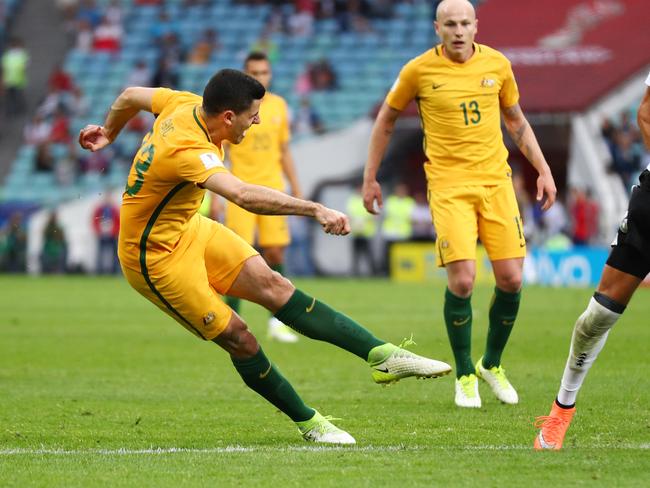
509	94
168	100
405	87
198	164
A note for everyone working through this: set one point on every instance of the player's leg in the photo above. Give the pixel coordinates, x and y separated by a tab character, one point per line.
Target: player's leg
455	220
588	339
310	317
627	266
273	237
243	223
501	232
263	377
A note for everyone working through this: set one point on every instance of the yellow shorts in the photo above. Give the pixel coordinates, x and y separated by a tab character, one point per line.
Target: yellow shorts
186	283
464	213
272	230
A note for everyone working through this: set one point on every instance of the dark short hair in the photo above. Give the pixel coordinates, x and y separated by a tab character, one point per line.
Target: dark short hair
255	56
231	89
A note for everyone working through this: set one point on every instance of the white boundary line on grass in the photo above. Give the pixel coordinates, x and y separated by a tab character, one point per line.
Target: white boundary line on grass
280	449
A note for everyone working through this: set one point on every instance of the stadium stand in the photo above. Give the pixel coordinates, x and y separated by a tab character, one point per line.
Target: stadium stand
363	60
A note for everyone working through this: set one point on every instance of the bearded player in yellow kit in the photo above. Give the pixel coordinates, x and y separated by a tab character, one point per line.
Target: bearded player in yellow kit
262	158
461	88
182	262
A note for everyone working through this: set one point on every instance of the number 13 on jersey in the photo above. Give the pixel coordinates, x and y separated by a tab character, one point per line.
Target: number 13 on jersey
471	113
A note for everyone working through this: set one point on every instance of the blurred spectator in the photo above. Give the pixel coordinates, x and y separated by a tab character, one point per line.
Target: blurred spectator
306	121
627	159
84	41
106	225
265	44
363	228
170	50
322	76
204	48
95	162
14	76
166	75
301	22
60	131
584	217
37	131
140	75
15	245
303	84
43	159
54	253
108	36
59	80
397	225
421	223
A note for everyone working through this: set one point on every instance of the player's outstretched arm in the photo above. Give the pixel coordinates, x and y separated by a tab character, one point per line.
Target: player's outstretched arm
267	201
522	134
379	139
643	118
123	109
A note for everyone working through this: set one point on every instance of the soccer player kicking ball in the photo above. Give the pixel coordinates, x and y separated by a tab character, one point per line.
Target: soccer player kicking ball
462	89
182	261
626	267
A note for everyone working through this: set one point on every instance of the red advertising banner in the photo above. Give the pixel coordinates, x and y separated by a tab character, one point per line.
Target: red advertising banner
566	54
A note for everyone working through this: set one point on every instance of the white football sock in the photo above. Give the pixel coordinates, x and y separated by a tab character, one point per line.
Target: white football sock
589	336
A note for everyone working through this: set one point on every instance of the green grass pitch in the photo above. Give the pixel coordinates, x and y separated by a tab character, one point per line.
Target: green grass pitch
99	388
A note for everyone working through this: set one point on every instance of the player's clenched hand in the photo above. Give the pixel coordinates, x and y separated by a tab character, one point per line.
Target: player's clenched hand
546	186
93	138
332	221
371	193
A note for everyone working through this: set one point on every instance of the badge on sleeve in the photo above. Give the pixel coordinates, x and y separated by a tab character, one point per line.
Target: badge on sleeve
210	160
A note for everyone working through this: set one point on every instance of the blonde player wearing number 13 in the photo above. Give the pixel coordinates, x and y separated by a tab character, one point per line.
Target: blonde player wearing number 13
461	87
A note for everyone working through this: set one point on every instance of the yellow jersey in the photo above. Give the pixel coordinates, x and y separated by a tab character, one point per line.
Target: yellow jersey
162	192
460	112
257	159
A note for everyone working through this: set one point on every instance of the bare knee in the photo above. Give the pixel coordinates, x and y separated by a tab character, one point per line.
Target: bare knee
509	282
276	290
461	285
237	340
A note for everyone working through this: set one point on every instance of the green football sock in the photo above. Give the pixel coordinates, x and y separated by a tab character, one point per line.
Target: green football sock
280	269
317	321
264	378
233	303
458	318
503	312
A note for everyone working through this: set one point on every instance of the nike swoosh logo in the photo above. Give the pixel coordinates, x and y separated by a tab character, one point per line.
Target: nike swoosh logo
266	373
385	370
310	307
460	322
435	86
